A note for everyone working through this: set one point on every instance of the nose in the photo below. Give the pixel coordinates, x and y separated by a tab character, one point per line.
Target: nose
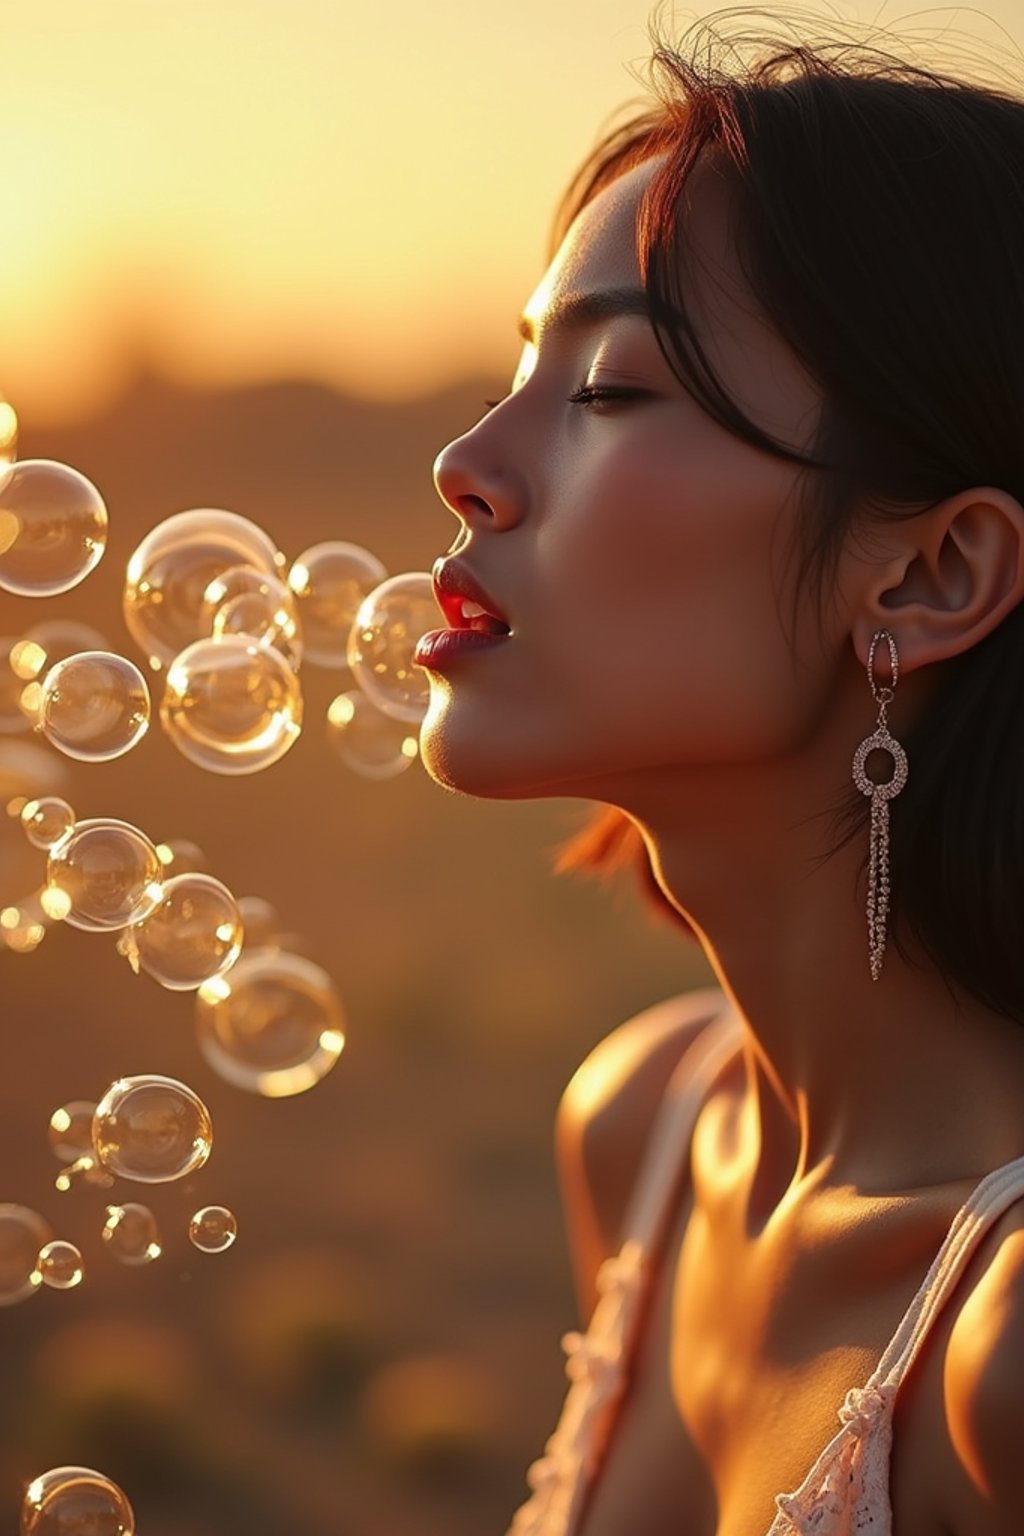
472	483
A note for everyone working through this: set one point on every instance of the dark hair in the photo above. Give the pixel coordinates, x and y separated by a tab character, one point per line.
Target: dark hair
880	219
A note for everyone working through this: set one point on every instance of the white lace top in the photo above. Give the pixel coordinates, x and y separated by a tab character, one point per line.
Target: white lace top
847	1489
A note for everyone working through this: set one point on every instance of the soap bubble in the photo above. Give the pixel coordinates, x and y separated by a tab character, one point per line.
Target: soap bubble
248	614
194	932
53	528
131	1234
330	582
60	1265
22	1234
70	1136
8	433
94	706
232	705
213	1229
50	641
151	1129
261	923
70	1130
170	571
14	716
372	744
47	821
181	857
23	927
273	1025
75	1501
384	636
271	603
105	875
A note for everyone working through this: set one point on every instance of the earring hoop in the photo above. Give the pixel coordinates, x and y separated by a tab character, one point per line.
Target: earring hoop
880	794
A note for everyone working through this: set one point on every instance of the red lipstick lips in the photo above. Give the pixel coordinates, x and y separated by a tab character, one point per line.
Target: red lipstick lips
474	620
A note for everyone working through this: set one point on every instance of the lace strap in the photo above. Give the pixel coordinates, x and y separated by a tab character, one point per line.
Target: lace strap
666	1160
989	1200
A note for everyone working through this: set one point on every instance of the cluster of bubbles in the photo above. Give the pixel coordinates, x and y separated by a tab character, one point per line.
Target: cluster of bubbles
267	1020
146	1129
225	622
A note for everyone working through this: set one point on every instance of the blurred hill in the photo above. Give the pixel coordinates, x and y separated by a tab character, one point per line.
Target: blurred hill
379	1351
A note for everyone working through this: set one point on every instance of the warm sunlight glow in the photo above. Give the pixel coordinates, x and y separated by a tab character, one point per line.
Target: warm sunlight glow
228	192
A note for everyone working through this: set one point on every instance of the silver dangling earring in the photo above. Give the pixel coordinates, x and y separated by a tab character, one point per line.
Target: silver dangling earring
881	794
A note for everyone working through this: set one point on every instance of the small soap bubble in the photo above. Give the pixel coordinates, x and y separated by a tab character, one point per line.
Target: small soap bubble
15	718
247	581
213	1229
94	706
261	923
23	926
131	1233
47	821
181	857
331	581
170	571
105	875
60	1265
232	705
248	614
53	528
22	1233
70	1131
382	640
50	641
372	744
273	1025
75	1501
151	1129
194	932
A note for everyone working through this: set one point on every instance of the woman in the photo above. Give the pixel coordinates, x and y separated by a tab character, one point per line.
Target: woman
744	551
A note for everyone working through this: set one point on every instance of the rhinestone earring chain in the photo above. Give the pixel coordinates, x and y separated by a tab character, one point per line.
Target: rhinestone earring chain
881	794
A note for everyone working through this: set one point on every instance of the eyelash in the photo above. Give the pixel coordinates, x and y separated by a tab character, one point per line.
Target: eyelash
589	394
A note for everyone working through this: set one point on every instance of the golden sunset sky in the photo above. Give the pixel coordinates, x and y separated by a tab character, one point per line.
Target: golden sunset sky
228	190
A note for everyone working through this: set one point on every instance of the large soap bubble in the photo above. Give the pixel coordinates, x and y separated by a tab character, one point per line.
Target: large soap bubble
171	569
232	705
371	743
22	1233
151	1129
53	528
273	1024
75	1501
94	706
387	627
330	581
194	932
106	874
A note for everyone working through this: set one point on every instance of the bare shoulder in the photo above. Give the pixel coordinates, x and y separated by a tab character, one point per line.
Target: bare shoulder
604	1118
984	1387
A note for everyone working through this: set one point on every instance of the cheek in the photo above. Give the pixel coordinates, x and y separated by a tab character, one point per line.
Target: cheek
663	592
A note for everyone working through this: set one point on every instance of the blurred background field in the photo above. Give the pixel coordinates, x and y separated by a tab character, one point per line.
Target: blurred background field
378	1353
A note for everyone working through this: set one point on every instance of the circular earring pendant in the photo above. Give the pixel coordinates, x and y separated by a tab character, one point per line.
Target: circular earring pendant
880	740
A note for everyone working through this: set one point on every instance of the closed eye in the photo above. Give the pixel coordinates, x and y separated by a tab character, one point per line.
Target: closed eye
597	394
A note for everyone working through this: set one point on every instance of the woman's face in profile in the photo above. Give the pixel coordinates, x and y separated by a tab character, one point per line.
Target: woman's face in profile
635	547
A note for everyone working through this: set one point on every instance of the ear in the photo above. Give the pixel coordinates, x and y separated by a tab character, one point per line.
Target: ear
947	577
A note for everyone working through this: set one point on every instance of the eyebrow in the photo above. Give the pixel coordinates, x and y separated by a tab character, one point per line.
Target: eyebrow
581	309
